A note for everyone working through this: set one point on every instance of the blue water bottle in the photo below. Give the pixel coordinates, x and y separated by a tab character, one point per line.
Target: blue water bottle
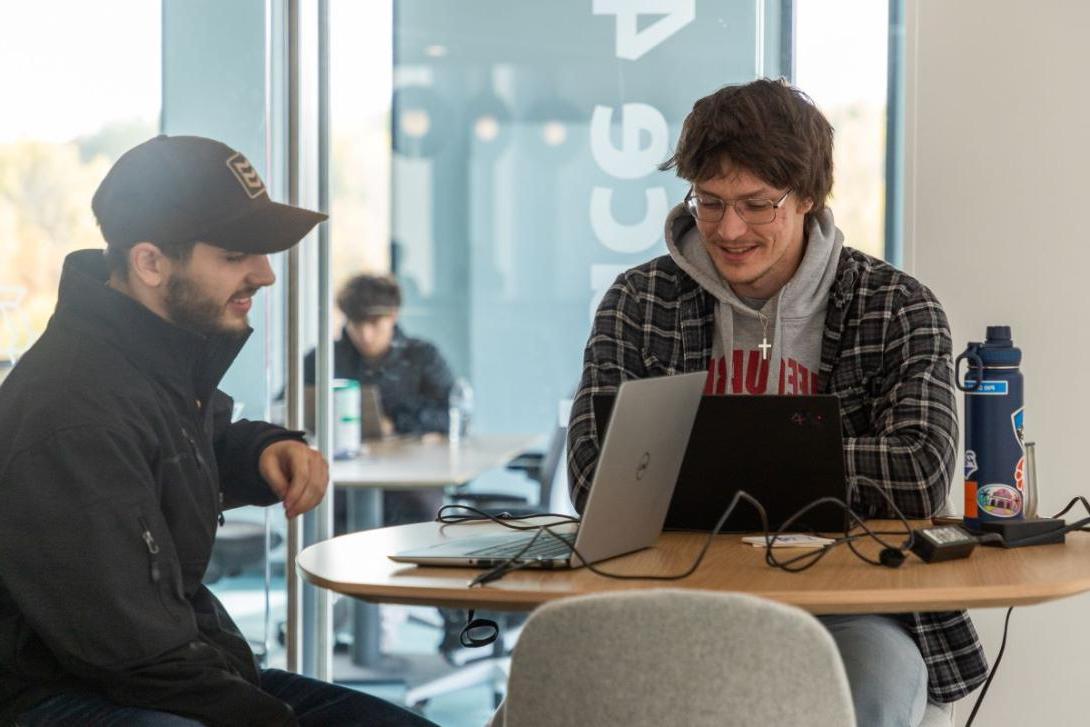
995	485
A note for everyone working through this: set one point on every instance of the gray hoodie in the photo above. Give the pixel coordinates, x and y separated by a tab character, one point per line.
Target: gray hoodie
792	321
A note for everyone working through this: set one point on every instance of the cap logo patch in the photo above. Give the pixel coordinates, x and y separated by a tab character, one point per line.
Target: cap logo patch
246	175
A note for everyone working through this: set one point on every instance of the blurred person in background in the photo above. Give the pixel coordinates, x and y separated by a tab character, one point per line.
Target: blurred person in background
411	376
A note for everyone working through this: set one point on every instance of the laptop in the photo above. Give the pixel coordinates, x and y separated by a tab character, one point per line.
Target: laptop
785	451
370	412
637	467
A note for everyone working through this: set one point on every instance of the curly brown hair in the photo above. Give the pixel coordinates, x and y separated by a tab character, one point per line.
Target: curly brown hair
365	297
767	128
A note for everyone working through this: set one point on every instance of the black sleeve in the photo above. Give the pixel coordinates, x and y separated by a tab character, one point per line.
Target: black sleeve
310	368
238	448
426	410
91	565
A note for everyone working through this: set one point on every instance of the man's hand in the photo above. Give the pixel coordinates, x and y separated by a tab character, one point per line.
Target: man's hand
386	425
296	473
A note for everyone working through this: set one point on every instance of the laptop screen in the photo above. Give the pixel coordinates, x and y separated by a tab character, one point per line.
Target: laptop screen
786	451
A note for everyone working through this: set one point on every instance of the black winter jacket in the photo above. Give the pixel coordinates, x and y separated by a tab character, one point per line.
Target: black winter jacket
117	457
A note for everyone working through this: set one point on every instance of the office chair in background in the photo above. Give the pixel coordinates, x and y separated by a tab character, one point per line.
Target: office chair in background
540	468
239	545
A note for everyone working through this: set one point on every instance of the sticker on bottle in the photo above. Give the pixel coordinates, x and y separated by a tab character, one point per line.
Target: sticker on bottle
999	500
986	388
1016	422
970	463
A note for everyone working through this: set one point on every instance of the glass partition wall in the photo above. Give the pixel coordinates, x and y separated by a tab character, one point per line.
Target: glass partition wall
248	73
526	138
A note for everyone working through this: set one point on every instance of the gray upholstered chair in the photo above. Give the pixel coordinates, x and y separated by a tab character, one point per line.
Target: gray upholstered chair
661	657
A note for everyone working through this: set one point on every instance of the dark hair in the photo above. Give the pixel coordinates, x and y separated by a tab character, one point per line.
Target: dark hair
767	128
369	296
117	255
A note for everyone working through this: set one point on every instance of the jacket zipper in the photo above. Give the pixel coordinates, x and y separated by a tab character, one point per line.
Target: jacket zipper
153	550
204	468
196	450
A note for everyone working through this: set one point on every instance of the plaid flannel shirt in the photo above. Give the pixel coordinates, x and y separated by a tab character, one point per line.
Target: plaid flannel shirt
885	353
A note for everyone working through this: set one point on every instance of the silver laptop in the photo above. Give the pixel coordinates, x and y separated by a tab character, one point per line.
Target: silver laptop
637	469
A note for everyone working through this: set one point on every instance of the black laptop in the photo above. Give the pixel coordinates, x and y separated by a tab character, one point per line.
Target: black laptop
786	451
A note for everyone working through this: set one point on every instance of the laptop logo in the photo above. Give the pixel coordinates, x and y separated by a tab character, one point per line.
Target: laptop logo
800	419
641	469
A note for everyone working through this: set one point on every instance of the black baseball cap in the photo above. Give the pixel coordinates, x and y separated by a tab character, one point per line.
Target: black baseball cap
173	189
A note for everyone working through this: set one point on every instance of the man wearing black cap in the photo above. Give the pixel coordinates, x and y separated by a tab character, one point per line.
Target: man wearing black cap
118	458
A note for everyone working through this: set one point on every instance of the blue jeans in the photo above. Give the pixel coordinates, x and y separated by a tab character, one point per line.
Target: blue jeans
886	673
315	703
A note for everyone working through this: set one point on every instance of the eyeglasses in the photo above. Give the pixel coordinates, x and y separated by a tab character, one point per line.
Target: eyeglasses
752	211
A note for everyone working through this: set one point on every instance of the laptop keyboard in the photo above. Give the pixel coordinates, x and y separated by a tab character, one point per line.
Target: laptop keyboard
547	546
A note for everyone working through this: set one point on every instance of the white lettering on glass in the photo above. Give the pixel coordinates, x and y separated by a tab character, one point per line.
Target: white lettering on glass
643	139
631	41
630	160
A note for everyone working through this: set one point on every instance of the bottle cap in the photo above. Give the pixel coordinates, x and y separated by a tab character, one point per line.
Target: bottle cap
998	348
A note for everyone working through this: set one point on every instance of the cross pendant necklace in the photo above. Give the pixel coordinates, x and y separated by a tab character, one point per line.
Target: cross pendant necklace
764	345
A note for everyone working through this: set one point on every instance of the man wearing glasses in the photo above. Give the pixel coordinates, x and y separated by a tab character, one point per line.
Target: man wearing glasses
759	290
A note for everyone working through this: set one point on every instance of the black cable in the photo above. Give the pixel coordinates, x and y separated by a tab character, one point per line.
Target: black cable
491	628
1078	525
995	668
1075	500
513	563
505	519
1081	525
473	624
989	538
854	521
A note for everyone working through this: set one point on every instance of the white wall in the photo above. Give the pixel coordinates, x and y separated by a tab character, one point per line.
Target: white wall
997	169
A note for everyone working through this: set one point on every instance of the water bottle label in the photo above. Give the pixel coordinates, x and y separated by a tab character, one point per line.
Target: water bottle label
988	388
1016	422
999	500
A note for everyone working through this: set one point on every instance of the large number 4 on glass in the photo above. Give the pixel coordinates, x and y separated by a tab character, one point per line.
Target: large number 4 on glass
632	42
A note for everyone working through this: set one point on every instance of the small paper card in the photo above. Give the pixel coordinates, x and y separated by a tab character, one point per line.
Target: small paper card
788	540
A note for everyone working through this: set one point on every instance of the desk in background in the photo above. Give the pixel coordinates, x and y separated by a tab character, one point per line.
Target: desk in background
409	464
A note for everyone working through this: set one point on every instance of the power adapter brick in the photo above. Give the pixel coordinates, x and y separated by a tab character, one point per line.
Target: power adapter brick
1016	533
948	542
